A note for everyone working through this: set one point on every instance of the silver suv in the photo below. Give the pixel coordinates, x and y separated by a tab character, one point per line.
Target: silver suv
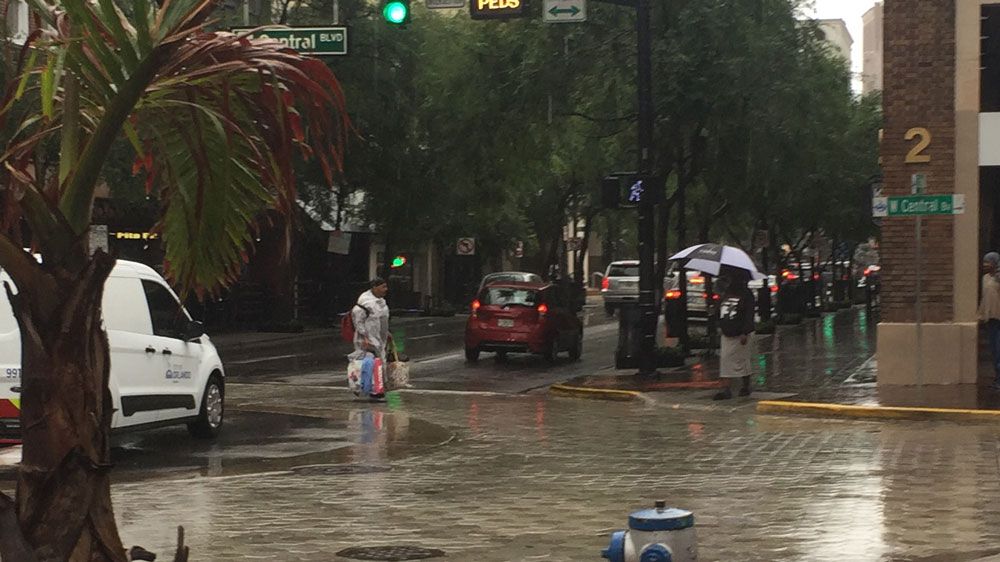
620	284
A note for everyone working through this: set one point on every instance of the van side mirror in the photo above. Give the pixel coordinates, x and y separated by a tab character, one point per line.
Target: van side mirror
193	330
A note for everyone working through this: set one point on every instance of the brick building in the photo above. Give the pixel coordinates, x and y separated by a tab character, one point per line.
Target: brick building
937	104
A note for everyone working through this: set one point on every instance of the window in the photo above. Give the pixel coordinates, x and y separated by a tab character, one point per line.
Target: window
169	319
501	296
623	271
17	21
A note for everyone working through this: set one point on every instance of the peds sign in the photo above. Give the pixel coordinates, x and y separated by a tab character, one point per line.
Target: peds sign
496	9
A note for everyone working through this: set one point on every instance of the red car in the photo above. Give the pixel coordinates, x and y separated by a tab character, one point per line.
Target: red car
523	318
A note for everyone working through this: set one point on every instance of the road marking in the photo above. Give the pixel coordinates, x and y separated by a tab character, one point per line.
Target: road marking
440	358
261	359
427	337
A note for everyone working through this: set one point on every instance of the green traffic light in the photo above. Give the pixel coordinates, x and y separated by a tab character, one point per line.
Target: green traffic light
395	12
398	261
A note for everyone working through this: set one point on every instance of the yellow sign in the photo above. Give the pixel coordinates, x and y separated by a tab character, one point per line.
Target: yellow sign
136	236
495	9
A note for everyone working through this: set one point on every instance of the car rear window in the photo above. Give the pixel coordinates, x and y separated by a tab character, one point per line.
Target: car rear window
502	296
623	271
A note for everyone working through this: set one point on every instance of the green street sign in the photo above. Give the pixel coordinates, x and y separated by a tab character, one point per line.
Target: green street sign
918	205
318	41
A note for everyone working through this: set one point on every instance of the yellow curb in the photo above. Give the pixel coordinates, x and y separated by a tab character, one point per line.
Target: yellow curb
874	412
598	393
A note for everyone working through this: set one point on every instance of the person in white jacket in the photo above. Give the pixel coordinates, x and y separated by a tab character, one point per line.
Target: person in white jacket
371	322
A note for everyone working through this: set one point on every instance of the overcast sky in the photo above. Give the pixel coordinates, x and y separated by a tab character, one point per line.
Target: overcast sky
850	11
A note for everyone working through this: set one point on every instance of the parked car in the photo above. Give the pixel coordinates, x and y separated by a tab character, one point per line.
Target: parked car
164	368
516	317
871	284
698	298
620	284
509	276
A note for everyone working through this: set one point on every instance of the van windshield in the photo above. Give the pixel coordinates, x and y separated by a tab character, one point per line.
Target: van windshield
502	296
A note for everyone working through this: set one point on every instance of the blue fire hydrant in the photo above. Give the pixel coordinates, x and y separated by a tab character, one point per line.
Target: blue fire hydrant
661	534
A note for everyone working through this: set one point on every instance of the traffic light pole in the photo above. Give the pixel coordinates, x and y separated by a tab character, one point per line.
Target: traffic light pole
647	235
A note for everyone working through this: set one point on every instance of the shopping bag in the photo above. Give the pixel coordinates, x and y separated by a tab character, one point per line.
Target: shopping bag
372	378
398	373
354	376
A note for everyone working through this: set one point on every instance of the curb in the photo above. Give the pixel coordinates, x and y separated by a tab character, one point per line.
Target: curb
874	412
595	393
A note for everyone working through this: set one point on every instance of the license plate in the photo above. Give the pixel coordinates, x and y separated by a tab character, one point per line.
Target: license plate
628	284
505	323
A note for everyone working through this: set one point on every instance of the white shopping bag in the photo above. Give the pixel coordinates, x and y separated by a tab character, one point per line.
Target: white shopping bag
354	376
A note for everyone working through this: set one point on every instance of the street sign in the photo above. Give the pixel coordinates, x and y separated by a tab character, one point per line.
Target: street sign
436	4
918	205
495	9
318	41
564	11
465	247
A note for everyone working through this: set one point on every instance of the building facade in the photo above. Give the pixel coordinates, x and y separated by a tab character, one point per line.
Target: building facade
937	133
836	34
872	45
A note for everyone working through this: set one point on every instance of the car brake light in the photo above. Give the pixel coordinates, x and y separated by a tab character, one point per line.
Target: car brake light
697	281
815	276
713	297
868	271
774	288
605	284
672	294
543	309
475	307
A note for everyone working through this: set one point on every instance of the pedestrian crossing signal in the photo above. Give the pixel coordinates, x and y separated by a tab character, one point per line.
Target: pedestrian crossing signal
396	12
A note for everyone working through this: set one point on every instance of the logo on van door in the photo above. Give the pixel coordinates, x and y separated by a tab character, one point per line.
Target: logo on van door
177	374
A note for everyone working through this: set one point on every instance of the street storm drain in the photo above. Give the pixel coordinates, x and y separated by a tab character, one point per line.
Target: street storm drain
390	553
339	469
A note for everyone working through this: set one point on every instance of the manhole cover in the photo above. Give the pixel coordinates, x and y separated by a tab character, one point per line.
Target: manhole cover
337	469
390	553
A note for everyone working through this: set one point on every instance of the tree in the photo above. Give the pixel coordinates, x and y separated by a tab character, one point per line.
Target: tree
216	121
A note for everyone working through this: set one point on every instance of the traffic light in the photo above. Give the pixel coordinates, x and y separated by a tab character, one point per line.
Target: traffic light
398	261
396	12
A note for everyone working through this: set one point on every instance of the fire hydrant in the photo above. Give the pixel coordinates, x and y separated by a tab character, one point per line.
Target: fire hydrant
661	534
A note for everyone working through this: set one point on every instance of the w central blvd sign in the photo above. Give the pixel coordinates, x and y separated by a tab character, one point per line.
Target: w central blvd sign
918	205
318	41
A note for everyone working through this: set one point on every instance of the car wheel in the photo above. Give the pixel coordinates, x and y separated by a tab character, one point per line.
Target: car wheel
577	350
609	309
471	355
551	350
210	416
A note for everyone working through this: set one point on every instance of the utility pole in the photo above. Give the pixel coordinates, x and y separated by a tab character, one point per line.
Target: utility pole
647	235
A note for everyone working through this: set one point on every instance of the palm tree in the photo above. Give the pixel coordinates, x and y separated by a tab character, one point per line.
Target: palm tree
216	121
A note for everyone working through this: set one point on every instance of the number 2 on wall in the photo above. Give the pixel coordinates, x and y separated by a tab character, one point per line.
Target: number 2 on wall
914	156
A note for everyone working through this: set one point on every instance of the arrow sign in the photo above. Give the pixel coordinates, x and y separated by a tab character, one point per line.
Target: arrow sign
572	10
564	11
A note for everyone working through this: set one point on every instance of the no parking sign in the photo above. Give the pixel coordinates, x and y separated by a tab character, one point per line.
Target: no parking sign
466	247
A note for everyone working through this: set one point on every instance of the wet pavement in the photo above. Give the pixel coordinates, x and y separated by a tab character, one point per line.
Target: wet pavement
827	359
535	477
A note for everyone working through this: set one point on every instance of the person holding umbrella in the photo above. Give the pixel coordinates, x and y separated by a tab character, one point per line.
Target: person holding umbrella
737	325
736	309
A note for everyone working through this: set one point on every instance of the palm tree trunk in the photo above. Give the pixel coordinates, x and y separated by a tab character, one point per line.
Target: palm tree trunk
63	501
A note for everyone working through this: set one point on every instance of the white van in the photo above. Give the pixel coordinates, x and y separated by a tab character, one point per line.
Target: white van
164	369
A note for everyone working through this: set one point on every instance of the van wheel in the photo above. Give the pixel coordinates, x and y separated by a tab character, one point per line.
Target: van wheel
209	422
576	351
471	355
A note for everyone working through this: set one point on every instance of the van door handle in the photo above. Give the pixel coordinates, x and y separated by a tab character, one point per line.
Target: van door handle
167	352
149	349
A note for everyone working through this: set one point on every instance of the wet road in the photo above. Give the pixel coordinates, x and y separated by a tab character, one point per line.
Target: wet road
532	477
435	347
